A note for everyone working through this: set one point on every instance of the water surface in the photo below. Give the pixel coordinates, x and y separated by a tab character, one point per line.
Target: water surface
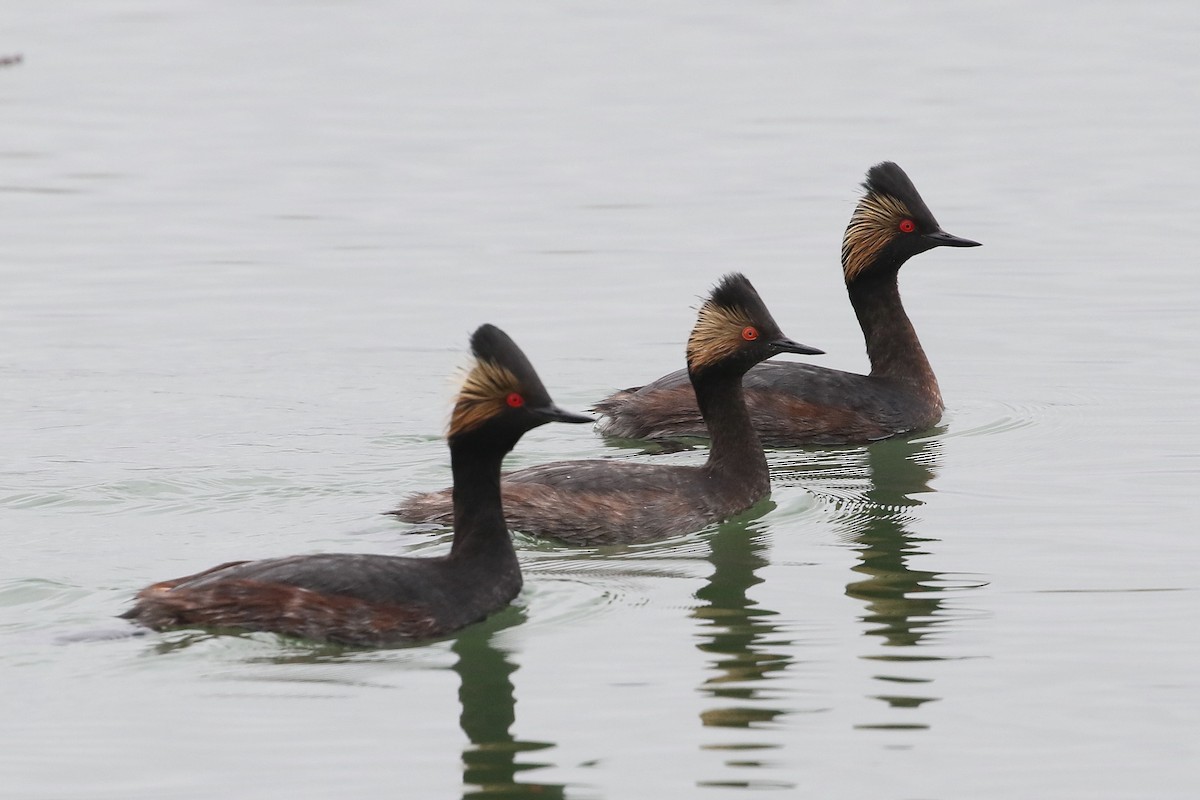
242	247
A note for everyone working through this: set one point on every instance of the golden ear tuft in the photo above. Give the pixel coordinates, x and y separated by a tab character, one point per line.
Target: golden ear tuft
482	395
718	334
871	227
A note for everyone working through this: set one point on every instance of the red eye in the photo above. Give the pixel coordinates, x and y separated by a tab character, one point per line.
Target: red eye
515	400
907	225
749	333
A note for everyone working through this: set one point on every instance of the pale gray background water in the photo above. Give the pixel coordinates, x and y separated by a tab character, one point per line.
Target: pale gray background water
243	244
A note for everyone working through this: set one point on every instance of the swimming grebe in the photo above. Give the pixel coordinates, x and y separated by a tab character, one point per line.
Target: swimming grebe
793	403
602	502
361	599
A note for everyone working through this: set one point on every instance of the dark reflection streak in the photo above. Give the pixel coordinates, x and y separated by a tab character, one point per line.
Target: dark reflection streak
485	693
737	630
882	485
902	603
490	765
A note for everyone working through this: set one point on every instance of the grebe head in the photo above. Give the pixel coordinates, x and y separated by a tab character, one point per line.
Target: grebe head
735	329
890	225
502	396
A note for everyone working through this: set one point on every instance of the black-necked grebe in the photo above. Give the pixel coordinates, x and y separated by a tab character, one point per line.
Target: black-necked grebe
361	599
793	403
602	502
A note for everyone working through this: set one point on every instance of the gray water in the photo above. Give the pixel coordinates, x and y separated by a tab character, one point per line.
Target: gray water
243	244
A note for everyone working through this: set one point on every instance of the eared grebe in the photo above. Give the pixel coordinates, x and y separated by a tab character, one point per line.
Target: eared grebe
793	403
601	502
360	599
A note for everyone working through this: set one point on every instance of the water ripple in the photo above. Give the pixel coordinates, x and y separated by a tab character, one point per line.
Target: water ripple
561	601
177	495
567	589
986	418
40	592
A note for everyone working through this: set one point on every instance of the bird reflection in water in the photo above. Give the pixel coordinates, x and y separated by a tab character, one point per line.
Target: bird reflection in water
490	761
738	629
902	603
904	607
745	647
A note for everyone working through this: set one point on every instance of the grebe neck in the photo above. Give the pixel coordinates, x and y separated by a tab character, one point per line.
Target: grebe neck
478	514
892	344
735	453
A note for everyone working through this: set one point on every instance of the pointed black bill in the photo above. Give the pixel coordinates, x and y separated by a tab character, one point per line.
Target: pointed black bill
940	238
786	345
553	413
